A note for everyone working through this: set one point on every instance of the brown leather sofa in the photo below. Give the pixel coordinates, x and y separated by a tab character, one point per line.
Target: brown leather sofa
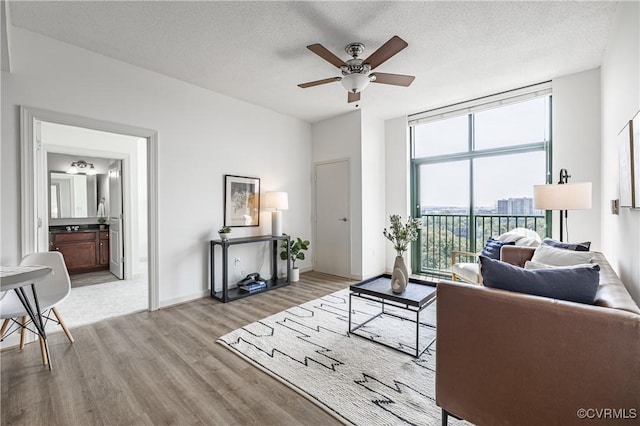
506	358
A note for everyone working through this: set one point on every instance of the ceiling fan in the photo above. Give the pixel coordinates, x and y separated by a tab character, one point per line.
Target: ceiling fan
356	72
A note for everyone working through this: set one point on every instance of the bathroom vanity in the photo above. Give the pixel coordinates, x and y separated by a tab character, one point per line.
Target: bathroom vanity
85	249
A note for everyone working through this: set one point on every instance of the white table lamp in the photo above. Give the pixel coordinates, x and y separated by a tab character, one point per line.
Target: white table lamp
277	201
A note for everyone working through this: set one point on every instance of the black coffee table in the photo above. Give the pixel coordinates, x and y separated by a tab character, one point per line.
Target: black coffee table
417	296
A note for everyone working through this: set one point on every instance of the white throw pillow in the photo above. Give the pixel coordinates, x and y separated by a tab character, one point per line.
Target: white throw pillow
533	265
548	255
509	237
527	242
521	237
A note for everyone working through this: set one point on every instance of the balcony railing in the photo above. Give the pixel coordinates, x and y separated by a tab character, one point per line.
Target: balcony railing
443	233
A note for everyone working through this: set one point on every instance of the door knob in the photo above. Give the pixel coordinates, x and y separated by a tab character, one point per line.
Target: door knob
343	219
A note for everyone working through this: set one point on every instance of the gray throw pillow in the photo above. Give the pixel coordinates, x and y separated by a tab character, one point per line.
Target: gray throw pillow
567	246
576	284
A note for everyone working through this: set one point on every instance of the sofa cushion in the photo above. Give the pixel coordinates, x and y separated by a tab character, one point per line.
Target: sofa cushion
467	270
568	246
492	247
560	257
576	284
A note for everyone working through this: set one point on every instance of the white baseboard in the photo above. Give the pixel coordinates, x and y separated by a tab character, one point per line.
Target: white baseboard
184	299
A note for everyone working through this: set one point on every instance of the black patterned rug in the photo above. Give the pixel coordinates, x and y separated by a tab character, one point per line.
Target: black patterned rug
357	380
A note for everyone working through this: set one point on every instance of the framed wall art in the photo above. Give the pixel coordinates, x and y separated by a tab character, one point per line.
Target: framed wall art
241	201
625	162
635	143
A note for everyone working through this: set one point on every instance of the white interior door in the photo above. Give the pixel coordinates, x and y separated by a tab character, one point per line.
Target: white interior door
333	224
116	249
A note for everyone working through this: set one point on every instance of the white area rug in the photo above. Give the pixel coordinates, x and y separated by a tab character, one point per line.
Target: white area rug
90	304
358	381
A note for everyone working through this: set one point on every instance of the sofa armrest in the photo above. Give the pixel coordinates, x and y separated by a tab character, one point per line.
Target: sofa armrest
516	255
511	358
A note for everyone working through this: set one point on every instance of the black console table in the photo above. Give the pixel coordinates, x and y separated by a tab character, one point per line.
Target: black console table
227	294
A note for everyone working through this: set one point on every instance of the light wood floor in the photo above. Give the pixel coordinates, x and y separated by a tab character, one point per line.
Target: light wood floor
161	367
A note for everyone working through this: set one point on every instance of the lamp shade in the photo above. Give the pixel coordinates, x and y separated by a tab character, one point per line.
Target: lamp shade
566	196
276	200
354	83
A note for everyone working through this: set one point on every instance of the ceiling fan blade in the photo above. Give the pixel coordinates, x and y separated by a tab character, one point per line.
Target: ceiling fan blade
386	51
353	97
319	82
395	79
325	54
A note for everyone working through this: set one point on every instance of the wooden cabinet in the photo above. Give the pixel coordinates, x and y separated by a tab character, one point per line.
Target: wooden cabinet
103	248
83	251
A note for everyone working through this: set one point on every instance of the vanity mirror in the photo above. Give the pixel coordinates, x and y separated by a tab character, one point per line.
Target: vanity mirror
72	196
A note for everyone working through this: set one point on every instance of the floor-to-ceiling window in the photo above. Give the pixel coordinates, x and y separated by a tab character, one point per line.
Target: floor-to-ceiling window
473	170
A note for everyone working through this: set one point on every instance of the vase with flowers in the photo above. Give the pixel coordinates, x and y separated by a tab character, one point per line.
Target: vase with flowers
401	235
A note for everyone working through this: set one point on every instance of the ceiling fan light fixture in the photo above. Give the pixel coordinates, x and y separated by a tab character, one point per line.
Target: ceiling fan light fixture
356	82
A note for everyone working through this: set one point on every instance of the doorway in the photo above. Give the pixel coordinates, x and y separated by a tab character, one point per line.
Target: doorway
35	233
333	224
84	168
80	199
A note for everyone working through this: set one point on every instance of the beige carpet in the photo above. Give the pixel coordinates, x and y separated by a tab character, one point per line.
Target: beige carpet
93	303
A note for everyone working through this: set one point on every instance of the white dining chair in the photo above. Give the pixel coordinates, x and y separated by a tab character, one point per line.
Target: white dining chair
51	291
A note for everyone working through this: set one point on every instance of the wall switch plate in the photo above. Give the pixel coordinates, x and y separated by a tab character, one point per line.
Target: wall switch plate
615	206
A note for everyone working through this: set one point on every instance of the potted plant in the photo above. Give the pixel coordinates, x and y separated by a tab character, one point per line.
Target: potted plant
101	221
401	235
296	251
224	233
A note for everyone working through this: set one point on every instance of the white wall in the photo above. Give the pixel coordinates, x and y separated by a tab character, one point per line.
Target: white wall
359	137
397	183
373	196
202	135
340	138
620	102
576	147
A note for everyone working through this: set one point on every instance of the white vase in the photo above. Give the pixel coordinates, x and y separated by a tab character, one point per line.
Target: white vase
400	275
223	236
295	274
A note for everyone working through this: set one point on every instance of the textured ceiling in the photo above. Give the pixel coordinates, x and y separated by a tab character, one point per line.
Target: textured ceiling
256	51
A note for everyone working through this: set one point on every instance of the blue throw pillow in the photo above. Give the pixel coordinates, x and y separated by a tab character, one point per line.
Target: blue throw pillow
575	284
492	248
568	246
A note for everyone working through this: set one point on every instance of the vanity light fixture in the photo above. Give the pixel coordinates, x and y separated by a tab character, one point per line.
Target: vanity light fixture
79	166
